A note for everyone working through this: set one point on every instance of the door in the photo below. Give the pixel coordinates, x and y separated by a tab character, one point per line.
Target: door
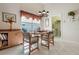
56	25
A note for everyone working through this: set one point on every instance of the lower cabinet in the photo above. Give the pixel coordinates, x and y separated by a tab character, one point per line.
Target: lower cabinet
14	38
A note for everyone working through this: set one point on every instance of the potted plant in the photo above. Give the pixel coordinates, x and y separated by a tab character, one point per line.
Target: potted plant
71	13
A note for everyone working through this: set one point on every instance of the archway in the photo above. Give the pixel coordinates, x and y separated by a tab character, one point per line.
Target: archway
56	26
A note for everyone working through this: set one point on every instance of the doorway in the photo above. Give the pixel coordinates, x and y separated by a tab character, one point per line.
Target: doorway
56	26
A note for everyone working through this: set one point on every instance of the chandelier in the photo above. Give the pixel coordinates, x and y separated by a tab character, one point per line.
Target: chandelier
43	13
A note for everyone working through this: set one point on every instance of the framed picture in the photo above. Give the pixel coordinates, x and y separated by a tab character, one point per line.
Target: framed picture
8	17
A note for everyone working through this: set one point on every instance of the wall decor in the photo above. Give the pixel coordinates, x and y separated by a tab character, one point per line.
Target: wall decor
71	13
8	17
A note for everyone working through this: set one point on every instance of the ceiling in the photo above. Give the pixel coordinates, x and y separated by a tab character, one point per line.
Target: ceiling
30	7
35	7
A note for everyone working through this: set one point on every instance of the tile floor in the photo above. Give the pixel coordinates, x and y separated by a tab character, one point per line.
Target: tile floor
17	50
61	47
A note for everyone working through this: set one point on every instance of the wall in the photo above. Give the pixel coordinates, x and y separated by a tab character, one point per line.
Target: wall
70	28
10	8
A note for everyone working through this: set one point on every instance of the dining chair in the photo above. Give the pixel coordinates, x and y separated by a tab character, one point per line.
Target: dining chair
47	38
51	37
31	40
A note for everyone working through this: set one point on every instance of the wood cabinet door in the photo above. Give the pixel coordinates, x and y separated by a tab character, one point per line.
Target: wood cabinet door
15	38
19	37
12	38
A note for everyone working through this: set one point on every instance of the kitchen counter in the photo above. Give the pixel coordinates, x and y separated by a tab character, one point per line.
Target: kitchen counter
9	29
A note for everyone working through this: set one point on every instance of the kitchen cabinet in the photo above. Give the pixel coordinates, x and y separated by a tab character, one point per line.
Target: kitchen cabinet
15	37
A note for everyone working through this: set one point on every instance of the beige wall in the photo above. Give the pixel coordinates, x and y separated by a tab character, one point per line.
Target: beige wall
10	8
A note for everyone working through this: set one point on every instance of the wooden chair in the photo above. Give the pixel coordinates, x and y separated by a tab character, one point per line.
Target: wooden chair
45	39
31	40
48	38
51	37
